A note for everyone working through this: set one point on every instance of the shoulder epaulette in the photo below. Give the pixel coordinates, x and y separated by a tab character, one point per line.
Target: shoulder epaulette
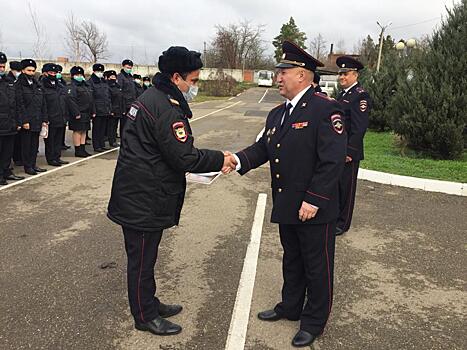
279	105
174	102
323	96
359	89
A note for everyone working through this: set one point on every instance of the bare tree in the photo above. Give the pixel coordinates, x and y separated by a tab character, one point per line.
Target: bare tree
318	47
236	46
93	40
2	48
72	39
40	49
340	47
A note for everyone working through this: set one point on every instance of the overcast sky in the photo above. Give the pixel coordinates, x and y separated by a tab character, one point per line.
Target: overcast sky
142	29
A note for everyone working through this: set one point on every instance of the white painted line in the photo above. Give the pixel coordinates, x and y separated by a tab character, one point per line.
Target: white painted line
241	313
207	115
261	99
231	98
51	171
238	94
429	185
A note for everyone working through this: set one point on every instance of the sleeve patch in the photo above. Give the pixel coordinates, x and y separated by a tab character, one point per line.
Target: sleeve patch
179	131
363	105
174	102
337	124
132	112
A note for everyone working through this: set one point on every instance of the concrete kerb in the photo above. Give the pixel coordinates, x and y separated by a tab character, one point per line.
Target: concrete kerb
456	188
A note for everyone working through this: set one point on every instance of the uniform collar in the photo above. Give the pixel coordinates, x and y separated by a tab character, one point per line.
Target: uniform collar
297	98
351	86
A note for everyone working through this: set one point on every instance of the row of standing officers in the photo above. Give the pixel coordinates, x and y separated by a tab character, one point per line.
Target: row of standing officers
31	107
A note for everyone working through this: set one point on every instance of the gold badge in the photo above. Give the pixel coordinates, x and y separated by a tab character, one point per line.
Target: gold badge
269	132
273	130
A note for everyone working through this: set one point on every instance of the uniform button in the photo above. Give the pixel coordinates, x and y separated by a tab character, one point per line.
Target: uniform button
277	160
277	176
279	190
278	145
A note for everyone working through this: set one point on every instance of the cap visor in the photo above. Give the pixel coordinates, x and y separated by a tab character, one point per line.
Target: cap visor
285	65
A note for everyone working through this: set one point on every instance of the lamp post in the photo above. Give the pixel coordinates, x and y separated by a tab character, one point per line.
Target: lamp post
383	28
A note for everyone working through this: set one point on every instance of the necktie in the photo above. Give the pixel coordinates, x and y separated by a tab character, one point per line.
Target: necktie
287	113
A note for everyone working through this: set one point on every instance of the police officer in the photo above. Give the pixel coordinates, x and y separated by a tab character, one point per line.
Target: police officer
116	109
81	109
316	80
355	102
15	71
146	83
304	141
125	80
138	87
12	76
8	123
30	110
54	99
102	101
62	84
156	151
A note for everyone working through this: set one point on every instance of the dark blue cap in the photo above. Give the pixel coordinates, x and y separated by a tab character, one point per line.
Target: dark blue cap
293	56
347	63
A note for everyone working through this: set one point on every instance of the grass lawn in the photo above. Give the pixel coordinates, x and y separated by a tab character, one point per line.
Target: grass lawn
381	154
202	98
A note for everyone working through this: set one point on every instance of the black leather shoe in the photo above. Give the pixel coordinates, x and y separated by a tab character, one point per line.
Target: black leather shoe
303	338
159	326
62	162
339	231
3	182
115	144
166	310
98	150
39	170
65	147
269	315
14	177
30	171
105	148
54	163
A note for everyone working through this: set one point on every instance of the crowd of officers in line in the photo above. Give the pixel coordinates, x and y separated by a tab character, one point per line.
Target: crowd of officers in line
31	107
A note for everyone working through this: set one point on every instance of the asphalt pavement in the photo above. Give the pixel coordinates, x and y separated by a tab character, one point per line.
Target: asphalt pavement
400	280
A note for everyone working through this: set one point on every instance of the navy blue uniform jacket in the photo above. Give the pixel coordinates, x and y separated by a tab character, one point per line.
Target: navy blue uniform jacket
306	157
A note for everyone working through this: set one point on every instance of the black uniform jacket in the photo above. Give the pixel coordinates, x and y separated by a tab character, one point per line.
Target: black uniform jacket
79	101
54	97
149	182
306	156
116	98
355	104
30	102
101	95
127	84
8	122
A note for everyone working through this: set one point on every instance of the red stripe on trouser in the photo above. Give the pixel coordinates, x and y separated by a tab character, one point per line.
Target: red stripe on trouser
351	195
139	282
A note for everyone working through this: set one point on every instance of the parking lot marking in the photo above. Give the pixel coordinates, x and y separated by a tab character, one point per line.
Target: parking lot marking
261	99
218	110
241	312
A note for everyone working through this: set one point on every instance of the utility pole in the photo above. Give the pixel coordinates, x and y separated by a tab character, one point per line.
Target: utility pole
383	28
205	59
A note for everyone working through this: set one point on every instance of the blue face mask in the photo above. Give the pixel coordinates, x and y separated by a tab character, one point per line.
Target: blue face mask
128	70
79	78
59	75
2	73
191	93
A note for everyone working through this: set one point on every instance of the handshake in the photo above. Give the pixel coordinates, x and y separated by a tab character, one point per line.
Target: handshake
230	163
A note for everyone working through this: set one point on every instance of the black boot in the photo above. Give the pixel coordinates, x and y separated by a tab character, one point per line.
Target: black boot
79	152
83	147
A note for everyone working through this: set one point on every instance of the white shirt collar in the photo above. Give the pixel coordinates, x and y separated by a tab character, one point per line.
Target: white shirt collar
351	86
297	98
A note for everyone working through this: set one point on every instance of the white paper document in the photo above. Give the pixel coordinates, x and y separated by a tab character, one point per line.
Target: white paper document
203	178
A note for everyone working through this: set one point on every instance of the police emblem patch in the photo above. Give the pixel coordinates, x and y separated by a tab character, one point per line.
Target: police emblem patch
363	105
337	124
132	112
179	131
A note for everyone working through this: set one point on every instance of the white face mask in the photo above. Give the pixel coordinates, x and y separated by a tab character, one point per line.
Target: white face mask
99	74
138	81
191	93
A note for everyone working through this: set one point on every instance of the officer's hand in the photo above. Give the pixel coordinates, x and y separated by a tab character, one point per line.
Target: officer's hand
93	115
229	162
307	212
18	127
26	126
78	117
348	159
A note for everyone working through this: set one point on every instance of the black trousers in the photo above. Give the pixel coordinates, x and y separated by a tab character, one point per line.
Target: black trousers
63	135
347	189
112	129
6	152
307	268
99	126
29	147
141	249
17	154
53	144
